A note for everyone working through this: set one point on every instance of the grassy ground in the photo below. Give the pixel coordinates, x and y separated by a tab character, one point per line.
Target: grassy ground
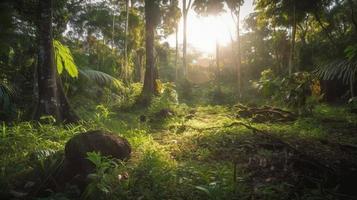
199	153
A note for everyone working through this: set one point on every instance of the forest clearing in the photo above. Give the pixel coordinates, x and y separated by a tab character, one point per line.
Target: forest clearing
178	99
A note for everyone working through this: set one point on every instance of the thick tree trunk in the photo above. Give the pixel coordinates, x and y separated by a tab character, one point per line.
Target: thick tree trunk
52	100
292	48
150	86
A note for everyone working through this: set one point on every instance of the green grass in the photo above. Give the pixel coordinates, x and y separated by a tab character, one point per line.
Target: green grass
185	157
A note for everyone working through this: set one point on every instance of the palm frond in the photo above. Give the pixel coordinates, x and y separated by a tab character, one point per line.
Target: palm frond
6	98
344	70
101	78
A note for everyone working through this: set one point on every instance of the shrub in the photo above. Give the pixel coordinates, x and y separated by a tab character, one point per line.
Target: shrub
300	91
167	100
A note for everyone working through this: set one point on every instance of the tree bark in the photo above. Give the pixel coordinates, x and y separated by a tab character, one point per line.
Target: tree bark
217	64
150	86
52	100
292	47
239	57
184	44
352	88
353	14
176	55
126	71
113	31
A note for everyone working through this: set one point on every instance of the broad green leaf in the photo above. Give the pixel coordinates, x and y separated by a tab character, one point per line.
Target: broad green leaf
64	59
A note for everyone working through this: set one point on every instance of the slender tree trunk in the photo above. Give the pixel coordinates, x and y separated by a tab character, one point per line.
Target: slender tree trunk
352	87
292	48
113	32
52	100
184	44
150	86
176	55
139	66
239	57
353	14
217	63
126	70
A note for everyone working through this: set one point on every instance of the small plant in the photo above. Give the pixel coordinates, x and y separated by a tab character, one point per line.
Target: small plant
353	104
105	180
102	113
167	100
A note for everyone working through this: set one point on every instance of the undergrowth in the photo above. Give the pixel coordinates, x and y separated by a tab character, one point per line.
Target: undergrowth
192	155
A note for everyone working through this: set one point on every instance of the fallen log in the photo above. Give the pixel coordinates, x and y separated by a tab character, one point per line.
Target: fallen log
265	114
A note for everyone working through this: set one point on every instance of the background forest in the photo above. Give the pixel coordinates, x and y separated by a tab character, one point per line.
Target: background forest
272	114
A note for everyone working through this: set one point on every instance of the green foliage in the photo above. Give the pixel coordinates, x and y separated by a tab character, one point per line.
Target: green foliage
64	59
300	91
168	99
154	176
268	83
344	70
101	78
102	113
351	52
32	147
106	178
7	107
297	88
352	102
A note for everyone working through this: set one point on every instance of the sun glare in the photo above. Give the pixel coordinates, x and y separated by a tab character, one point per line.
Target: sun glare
204	32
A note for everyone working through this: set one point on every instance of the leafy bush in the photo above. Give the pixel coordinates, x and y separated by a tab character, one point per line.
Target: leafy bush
168	99
300	91
268	83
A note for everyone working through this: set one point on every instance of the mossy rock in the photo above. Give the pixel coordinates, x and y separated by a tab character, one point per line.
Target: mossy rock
107	144
76	149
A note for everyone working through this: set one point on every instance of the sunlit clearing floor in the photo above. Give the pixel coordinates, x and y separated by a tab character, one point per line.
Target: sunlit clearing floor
210	153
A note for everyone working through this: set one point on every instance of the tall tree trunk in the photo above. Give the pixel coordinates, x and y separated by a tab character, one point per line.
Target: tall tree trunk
176	54
113	31
52	100
239	57
139	66
218	73
353	14
292	47
150	86
184	44
352	87
126	70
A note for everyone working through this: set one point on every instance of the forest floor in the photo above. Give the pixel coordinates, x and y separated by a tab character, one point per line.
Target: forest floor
207	152
309	158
